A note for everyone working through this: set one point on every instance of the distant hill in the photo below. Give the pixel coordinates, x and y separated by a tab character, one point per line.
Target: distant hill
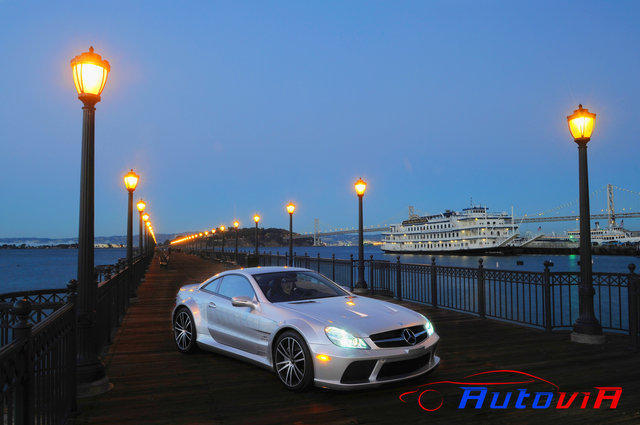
246	237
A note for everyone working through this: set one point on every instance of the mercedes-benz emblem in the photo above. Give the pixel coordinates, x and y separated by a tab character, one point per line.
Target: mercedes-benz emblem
409	336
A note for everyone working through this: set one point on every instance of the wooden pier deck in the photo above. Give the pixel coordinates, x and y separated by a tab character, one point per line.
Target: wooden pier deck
154	384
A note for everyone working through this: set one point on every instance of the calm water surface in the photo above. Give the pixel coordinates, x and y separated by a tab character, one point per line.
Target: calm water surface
601	263
24	269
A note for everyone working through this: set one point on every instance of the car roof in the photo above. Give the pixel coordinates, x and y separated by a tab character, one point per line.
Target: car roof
265	269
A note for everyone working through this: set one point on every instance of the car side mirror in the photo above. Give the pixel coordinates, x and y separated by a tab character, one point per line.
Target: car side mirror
243	302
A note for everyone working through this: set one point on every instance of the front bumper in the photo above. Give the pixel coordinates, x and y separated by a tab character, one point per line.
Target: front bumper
375	366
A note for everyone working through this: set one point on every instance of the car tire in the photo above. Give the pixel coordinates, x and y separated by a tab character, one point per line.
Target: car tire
184	331
292	361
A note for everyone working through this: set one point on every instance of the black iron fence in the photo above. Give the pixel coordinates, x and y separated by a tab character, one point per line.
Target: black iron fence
546	299
38	338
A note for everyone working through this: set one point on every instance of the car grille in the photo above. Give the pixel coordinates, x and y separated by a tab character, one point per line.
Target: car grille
358	372
400	368
394	338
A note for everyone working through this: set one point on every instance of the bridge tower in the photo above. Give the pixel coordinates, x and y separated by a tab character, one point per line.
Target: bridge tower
610	206
316	231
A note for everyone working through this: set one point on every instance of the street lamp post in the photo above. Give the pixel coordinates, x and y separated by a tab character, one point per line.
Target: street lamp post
586	328
222	229
290	209
256	218
90	73
213	240
141	205
145	218
361	285
236	224
130	182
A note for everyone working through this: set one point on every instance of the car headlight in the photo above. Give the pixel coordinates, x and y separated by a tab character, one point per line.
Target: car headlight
428	326
344	339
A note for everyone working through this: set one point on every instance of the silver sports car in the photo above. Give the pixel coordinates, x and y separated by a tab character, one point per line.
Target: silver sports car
306	328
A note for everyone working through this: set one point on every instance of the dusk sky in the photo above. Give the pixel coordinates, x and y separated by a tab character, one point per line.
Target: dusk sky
231	108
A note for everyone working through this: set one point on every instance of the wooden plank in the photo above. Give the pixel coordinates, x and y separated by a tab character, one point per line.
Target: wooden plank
154	383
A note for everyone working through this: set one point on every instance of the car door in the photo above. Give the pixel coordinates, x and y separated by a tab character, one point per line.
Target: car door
244	328
207	303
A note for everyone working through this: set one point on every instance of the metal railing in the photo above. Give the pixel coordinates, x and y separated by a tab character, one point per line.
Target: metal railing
546	300
39	347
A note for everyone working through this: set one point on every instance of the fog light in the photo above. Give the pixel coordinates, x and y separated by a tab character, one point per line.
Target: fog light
323	358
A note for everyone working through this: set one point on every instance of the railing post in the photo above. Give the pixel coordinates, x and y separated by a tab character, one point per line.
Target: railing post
398	279
318	262
434	283
546	282
481	298
293	263
371	283
24	403
351	274
306	260
633	295
72	293
333	267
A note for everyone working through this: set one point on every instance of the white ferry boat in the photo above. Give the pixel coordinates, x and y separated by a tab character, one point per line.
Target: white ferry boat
614	233
472	229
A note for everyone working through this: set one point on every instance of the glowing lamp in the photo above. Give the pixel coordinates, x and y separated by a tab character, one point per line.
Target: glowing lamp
145	217
236	224
90	73
141	205
213	231
291	208
256	218
200	234
581	124
360	186
131	181
222	228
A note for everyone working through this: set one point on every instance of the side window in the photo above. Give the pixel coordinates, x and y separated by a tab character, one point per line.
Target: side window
234	285
211	286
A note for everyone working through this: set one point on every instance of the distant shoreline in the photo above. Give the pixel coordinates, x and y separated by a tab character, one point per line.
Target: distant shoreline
59	246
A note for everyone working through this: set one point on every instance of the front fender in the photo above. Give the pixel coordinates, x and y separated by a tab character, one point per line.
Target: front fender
310	333
193	307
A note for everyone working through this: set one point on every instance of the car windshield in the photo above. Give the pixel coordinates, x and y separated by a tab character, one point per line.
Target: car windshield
296	286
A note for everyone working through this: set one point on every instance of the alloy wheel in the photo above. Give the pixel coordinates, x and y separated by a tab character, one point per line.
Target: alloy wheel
182	329
290	361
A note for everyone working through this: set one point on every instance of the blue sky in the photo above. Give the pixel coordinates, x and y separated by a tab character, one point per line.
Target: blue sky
228	108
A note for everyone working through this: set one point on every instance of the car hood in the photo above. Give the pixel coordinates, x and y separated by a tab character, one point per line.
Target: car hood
365	317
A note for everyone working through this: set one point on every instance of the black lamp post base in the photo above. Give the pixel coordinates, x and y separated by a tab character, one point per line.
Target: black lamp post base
361	288
92	380
592	339
587	332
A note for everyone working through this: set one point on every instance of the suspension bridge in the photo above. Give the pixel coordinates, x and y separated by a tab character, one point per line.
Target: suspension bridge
609	213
